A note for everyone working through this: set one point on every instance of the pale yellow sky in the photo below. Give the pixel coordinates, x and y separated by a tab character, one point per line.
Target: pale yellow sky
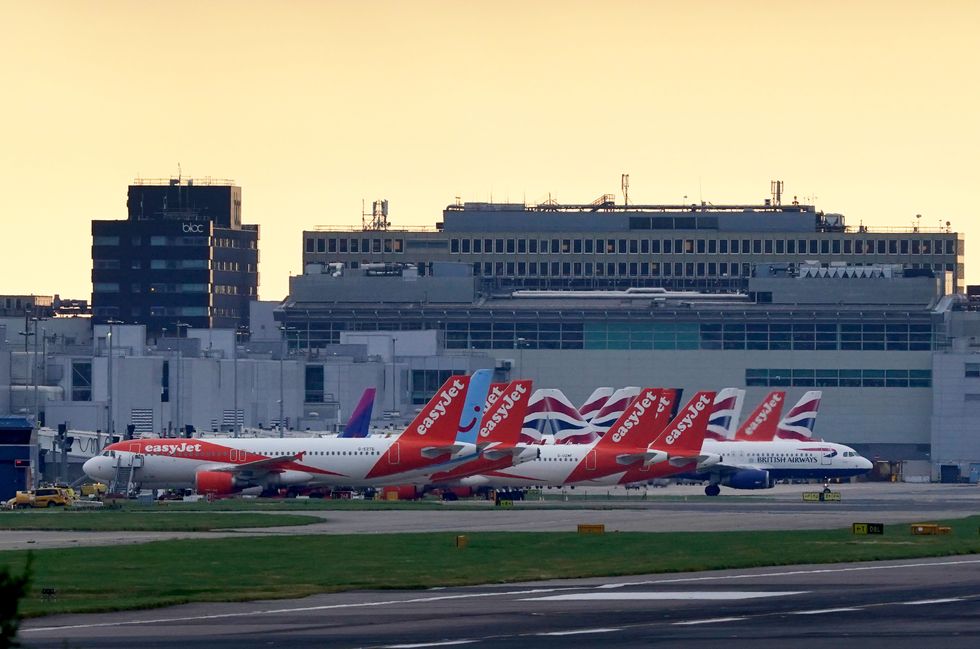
868	108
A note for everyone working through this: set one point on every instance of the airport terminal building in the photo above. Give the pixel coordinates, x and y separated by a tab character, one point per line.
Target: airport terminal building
573	297
699	297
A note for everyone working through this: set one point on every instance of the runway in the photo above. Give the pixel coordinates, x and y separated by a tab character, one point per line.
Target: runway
672	509
874	605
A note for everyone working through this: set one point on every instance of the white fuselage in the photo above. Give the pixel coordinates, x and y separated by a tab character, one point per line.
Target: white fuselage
551	469
790	458
325	461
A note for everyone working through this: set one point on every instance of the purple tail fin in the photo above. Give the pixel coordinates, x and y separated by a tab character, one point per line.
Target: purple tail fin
360	420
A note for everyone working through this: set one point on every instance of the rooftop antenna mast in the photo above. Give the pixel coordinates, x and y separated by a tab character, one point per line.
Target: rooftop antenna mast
378	218
777	192
626	189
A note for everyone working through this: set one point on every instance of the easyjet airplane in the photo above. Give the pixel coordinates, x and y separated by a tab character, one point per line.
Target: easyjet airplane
497	440
628	443
225	466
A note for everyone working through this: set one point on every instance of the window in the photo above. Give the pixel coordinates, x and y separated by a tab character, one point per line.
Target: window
972	370
106	241
314	384
81	380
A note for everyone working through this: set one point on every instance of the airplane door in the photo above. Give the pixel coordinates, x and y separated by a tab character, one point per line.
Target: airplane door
827	459
590	460
393	454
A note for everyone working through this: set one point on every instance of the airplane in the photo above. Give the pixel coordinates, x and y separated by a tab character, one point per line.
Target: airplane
687	429
758	465
761	424
594	403
627	443
613	408
359	424
498	436
552	419
725	412
799	421
224	466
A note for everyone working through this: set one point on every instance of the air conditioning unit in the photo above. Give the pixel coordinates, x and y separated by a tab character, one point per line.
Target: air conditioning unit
505	364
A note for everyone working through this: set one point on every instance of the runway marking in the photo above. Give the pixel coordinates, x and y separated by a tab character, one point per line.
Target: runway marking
428	644
785	573
583	631
298	609
665	595
826	610
714	620
933	601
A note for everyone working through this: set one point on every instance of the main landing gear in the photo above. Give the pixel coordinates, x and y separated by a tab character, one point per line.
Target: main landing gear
712	490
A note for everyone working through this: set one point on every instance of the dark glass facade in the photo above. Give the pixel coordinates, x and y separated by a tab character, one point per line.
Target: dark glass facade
182	256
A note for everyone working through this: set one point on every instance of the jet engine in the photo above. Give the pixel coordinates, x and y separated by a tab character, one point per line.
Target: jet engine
219	483
748	479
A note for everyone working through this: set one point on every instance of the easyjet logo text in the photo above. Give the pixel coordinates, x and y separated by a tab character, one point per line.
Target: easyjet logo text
764	413
693	412
508	401
642	404
172	449
445	398
495	392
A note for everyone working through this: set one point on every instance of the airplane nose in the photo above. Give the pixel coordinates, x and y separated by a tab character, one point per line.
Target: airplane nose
91	467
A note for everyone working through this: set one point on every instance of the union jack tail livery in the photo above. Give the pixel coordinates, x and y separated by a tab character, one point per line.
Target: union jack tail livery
725	414
760	426
798	422
594	403
551	417
359	424
615	406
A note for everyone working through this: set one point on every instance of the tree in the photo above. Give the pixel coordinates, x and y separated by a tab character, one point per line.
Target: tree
12	590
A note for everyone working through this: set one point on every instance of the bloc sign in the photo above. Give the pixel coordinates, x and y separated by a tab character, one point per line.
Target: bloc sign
867	528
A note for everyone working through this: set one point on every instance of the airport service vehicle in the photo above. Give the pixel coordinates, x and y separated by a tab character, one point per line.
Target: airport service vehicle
628	443
228	465
41	497
757	465
497	439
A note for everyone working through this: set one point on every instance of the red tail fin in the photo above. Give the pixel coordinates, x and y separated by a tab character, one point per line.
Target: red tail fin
438	421
625	430
504	417
760	426
685	434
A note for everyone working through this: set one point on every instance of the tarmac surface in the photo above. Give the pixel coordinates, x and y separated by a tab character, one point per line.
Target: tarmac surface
670	509
916	603
923	602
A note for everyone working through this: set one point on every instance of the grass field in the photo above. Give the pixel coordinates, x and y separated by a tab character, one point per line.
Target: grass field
137	521
172	572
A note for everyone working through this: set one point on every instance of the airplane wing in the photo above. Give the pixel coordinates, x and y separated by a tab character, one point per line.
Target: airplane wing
265	464
452	449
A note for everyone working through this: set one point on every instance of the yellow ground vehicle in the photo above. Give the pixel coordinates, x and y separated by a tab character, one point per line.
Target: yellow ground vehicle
41	497
94	489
